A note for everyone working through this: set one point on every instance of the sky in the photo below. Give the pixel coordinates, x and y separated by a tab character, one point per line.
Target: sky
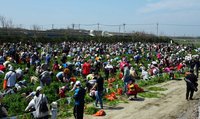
165	17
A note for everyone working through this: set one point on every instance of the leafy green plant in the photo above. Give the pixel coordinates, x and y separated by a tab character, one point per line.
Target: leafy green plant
150	95
113	103
88	99
91	110
157	89
154	80
25	116
17	107
65	110
64	114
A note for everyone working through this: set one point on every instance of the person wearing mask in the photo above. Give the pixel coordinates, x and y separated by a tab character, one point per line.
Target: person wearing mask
79	96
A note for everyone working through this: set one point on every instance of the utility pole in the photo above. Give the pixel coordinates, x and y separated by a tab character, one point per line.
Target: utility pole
124	25
98	26
79	26
20	26
73	25
157	24
52	26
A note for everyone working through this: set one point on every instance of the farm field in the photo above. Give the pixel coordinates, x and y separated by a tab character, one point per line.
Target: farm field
195	41
105	59
161	94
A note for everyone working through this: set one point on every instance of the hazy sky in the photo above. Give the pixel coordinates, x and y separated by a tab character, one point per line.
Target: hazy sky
174	17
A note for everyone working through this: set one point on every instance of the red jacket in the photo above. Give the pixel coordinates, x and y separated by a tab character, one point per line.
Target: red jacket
86	68
2	68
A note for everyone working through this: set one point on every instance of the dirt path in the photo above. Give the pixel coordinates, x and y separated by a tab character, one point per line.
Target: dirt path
172	105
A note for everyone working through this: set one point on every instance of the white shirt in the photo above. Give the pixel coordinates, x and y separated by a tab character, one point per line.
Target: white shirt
60	74
31	104
11	78
145	75
37	100
109	66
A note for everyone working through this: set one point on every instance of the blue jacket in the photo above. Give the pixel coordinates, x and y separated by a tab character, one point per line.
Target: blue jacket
79	96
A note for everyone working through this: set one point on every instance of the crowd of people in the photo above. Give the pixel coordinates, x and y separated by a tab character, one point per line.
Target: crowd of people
93	62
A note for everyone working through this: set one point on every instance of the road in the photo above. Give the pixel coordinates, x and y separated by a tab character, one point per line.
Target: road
171	105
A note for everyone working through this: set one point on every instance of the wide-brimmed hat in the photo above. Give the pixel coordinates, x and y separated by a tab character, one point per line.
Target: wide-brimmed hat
39	88
78	83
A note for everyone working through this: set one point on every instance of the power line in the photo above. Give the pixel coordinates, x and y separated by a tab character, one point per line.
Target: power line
139	24
156	28
111	25
181	25
88	24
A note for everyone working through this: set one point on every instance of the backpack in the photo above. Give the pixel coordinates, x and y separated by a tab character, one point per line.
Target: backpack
43	105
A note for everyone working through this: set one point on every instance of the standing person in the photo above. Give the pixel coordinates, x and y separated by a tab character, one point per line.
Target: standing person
79	96
108	69
99	87
191	82
3	111
40	103
126	77
86	69
192	64
197	65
